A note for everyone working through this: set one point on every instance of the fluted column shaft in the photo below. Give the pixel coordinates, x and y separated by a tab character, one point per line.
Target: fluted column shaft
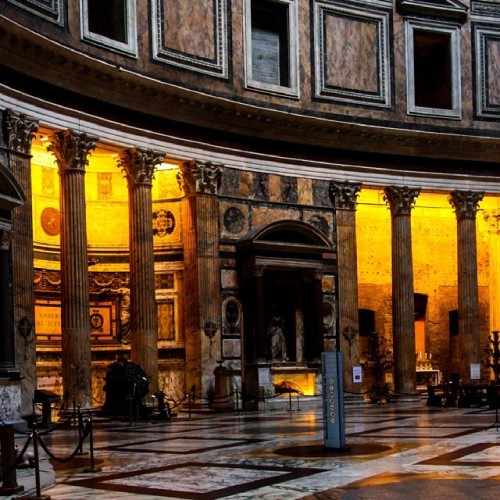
343	196
139	166
19	130
71	150
401	201
200	182
465	204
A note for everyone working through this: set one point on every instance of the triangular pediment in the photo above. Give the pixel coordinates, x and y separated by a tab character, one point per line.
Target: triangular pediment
449	9
11	193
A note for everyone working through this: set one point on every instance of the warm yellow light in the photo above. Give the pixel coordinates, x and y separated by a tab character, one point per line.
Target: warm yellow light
167	166
304	382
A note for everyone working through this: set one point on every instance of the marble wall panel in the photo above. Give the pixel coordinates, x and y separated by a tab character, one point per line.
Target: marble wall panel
304	191
193	35
263	215
352	53
189	27
229	278
487	55
289	189
50	10
10	401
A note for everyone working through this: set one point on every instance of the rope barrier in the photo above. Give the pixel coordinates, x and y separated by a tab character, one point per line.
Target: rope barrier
85	433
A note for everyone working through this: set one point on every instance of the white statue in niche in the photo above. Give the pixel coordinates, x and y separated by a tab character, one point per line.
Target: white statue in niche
124	294
277	337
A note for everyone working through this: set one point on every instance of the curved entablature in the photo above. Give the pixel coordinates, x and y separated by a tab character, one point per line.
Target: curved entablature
212	92
287	244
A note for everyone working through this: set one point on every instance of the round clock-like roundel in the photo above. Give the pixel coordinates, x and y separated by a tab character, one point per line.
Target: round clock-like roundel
51	221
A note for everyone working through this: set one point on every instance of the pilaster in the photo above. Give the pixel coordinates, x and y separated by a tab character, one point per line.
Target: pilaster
401	200
466	204
19	131
139	166
343	196
71	150
200	181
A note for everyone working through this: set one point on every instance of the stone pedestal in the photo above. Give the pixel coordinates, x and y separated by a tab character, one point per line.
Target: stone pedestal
465	204
401	201
71	150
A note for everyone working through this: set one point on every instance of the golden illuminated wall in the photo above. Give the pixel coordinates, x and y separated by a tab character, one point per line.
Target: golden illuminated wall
434	244
106	199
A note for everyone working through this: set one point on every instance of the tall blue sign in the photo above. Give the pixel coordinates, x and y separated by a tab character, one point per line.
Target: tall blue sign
333	400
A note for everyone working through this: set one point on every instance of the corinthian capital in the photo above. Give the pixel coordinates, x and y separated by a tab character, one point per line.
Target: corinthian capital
19	131
200	177
71	149
400	199
343	195
139	165
465	203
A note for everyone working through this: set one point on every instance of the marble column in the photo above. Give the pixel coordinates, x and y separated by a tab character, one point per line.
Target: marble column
71	150
344	196
401	201
139	166
465	204
200	181
492	219
19	131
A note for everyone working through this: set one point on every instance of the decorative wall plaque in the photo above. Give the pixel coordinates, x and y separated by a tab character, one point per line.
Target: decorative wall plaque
51	221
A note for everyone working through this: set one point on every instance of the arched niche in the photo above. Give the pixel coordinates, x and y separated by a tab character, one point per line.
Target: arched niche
282	265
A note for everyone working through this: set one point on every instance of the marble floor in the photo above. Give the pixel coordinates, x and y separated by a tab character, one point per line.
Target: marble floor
396	451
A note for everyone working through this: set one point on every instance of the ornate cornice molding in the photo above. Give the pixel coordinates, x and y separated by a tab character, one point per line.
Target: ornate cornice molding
465	203
19	131
139	165
401	199
71	149
343	195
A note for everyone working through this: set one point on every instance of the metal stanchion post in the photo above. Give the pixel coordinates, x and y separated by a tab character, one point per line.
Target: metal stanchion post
290	400
237	401
80	433
8	458
36	457
92	467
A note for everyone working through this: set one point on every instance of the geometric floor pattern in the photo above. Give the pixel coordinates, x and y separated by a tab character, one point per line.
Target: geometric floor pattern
396	451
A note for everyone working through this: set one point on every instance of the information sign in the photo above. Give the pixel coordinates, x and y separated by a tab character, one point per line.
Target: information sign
333	400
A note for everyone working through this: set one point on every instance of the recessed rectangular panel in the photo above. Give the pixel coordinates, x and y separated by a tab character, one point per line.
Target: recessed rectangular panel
189	27
487	81
191	35
51	10
493	70
351	54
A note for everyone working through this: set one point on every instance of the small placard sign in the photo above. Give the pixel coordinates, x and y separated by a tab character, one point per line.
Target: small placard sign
357	374
264	376
475	371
